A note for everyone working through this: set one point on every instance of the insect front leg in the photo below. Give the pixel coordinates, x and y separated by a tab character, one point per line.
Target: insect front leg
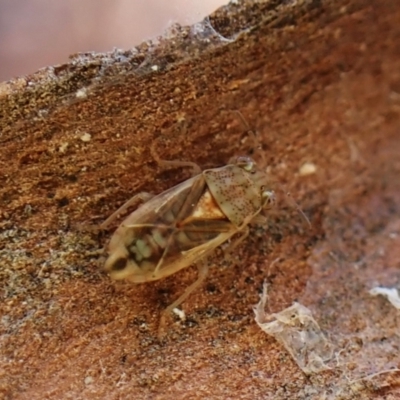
259	219
143	196
233	245
203	268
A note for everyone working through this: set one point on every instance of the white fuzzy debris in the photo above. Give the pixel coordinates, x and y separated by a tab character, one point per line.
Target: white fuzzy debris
391	294
88	380
180	313
86	137
154	68
307	168
298	332
63	147
81	93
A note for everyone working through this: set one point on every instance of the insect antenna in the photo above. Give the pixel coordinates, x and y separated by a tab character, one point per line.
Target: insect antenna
167	164
252	134
298	208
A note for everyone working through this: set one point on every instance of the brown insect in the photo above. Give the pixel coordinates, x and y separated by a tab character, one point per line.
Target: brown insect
184	224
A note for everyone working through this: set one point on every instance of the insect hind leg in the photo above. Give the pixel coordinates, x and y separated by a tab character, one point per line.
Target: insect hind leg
143	196
203	269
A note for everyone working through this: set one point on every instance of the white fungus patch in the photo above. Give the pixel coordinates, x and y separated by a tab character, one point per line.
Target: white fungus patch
391	294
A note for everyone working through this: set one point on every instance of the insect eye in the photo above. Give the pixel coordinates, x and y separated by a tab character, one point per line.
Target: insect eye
119	264
246	163
268	196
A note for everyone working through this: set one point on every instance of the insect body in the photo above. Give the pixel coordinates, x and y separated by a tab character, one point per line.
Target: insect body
184	224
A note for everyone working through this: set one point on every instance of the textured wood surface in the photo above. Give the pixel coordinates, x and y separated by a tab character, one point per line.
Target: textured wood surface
319	81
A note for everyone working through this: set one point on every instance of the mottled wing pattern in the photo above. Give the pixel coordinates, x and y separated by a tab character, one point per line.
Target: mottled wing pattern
169	232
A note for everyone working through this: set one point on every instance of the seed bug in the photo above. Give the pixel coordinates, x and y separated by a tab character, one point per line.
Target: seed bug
184	224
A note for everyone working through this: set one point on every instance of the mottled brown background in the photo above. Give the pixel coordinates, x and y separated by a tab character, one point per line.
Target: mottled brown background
320	82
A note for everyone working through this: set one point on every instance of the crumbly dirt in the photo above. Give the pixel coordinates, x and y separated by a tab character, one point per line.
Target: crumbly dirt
319	82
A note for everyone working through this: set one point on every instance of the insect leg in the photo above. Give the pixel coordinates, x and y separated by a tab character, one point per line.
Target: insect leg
143	196
259	219
196	170
203	268
232	246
